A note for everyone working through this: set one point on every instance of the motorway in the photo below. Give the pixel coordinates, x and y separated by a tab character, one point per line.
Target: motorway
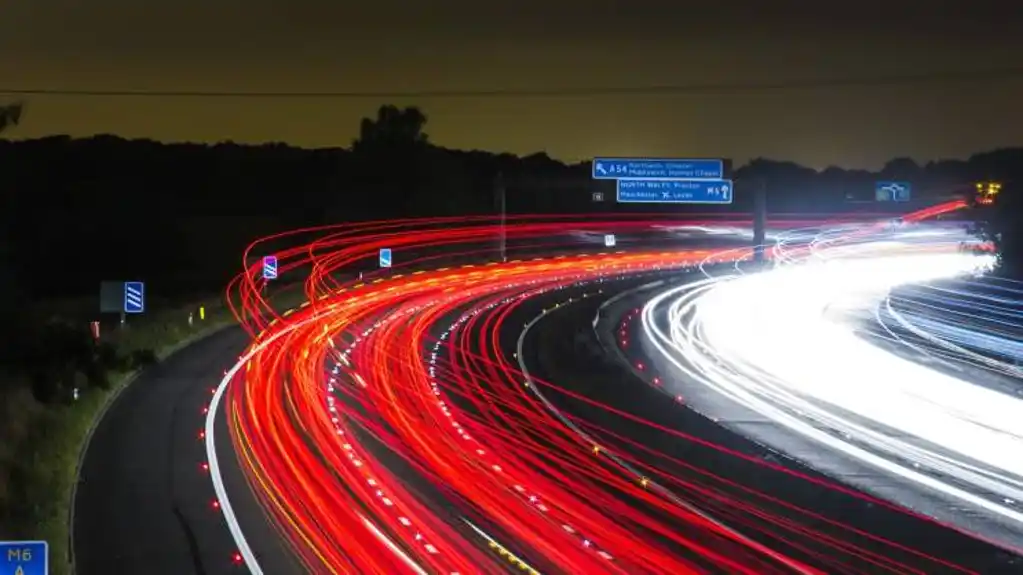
144	502
933	442
394	425
478	457
728	462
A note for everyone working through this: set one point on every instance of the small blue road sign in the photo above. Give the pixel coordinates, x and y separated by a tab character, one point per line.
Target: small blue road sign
892	191
657	169
269	267
24	558
385	257
134	297
675	191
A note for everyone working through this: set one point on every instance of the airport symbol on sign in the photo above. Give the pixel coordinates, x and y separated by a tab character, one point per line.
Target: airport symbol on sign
269	267
24	558
134	297
609	240
385	257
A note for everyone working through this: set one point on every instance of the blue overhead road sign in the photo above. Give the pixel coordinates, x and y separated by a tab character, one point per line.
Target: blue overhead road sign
385	257
657	169
24	558
134	297
675	191
892	191
269	267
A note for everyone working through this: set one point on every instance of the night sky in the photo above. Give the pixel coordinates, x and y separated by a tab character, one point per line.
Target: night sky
387	45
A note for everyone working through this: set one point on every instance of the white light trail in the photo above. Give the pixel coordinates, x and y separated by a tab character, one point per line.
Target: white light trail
784	344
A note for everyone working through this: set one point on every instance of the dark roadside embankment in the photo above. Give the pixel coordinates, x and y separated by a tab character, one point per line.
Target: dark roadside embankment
49	353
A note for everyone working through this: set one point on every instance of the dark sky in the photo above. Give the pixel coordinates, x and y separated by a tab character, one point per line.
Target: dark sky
387	45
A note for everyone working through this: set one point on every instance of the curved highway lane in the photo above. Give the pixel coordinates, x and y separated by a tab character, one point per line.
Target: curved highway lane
489	477
725	472
777	356
144	502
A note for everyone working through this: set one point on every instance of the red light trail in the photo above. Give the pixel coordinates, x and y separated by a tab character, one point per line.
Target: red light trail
384	427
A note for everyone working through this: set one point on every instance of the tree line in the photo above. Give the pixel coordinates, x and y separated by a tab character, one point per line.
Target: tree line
79	211
76	212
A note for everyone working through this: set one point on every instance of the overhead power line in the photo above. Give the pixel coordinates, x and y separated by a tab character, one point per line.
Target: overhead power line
650	90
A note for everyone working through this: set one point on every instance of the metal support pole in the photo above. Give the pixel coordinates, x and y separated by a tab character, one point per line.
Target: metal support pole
502	206
759	222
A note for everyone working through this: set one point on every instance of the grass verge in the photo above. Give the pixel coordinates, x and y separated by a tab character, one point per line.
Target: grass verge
40	445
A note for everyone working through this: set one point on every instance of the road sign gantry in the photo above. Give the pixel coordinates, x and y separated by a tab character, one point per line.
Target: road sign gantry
666	180
658	169
675	191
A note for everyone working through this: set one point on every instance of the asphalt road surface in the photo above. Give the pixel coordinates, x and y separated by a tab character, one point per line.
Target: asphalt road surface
563	348
835	463
144	503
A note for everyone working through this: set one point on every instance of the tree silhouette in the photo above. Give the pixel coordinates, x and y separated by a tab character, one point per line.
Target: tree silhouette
392	158
393	130
10	294
10	115
901	169
1000	224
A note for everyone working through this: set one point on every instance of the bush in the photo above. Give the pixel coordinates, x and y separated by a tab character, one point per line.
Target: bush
61	359
41	439
97	376
108	358
45	387
143	358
